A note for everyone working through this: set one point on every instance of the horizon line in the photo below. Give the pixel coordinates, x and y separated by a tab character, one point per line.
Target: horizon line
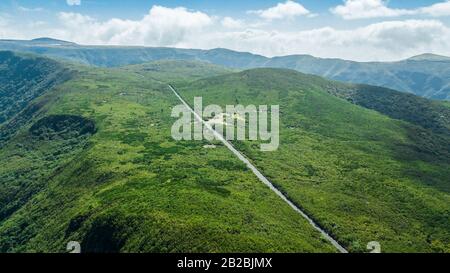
222	48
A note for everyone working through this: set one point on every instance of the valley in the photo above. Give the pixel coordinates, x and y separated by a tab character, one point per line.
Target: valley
337	160
129	187
91	159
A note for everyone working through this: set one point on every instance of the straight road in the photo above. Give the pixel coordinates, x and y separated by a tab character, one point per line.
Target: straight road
260	176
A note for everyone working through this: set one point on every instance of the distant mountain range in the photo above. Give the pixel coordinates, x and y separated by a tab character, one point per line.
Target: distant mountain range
426	75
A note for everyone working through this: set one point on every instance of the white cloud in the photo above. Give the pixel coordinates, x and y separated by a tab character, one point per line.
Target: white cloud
391	40
25	9
180	27
73	2
160	27
361	9
436	10
229	22
37	24
365	9
289	9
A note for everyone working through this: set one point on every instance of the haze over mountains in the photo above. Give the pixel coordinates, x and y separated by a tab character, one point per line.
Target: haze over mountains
426	75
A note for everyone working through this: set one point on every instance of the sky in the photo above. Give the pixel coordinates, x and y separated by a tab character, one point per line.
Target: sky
362	30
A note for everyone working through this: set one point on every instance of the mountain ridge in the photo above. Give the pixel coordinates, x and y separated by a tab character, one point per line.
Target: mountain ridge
430	57
99	166
425	55
426	75
338	158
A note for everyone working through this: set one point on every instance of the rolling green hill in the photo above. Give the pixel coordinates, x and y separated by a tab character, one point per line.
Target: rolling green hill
92	160
429	114
177	71
362	175
426	75
24	78
99	166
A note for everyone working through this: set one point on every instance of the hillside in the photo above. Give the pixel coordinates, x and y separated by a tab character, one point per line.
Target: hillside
99	166
24	78
361	174
177	70
93	160
426	75
428	114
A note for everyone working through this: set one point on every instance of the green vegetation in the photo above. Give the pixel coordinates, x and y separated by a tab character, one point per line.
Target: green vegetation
362	175
432	115
24	78
426	75
175	71
126	186
91	159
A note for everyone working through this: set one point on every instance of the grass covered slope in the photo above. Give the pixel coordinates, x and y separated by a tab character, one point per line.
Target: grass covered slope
427	75
428	114
362	175
99	166
24	78
177	70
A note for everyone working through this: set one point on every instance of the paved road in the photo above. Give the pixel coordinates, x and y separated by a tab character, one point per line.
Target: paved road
260	176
